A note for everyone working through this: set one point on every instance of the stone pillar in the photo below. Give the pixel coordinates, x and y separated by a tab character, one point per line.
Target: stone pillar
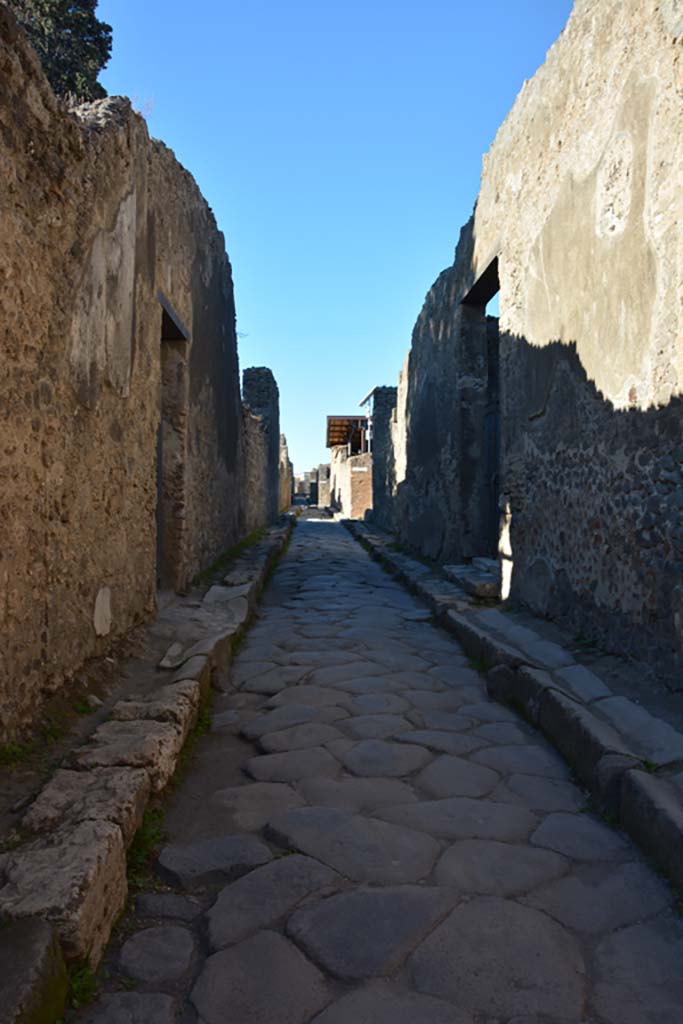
261	395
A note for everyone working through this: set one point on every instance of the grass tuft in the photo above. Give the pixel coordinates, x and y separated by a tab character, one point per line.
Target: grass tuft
82	986
143	848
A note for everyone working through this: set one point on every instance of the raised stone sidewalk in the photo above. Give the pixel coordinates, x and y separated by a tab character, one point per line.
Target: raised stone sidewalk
66	871
367	838
630	760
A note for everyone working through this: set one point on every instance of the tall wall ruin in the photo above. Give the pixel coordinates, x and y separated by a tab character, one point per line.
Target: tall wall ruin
565	416
286	476
122	461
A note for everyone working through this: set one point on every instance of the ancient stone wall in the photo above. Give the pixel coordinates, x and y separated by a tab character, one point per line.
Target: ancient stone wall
576	393
383	458
260	394
324	485
120	398
286	476
350	482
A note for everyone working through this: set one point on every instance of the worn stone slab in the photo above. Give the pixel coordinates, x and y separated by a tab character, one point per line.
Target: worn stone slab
463	818
359	848
494	957
157	955
277	720
427	700
539	794
167	904
154	746
579	682
341	675
580	735
176	702
299	737
259	899
503	733
243	669
133	1008
378	1003
580	837
368	932
602	898
376	757
74	877
205	862
253	804
293	765
650	737
197	668
263	980
33	976
453	776
355	795
371	684
275	680
488	711
443	721
118	795
457	675
378	704
525	760
651	811
497	869
375	726
638	974
446	742
311	696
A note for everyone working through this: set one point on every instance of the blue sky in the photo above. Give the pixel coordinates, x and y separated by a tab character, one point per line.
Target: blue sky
339	144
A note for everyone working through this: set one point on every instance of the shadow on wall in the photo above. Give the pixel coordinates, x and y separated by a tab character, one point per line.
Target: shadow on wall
594	497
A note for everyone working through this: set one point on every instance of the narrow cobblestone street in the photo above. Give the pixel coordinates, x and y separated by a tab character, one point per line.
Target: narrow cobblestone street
365	838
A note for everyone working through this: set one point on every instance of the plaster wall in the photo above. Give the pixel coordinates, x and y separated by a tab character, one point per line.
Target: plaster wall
101	225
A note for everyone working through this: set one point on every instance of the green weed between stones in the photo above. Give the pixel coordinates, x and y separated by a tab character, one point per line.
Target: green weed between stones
82	986
143	848
479	665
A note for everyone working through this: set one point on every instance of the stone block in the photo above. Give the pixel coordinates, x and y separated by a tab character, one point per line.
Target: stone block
118	795
74	877
578	734
133	1008
650	737
211	861
652	812
177	703
158	955
152	745
32	972
579	682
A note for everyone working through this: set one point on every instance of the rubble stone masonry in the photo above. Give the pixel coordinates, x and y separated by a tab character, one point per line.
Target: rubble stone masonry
564	416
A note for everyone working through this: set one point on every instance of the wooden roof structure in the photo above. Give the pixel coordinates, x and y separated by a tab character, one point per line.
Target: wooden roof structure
346	430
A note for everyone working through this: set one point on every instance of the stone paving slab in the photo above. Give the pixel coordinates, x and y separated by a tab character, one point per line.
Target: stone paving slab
263	980
210	861
379	1004
492	956
381	900
368	932
359	848
259	899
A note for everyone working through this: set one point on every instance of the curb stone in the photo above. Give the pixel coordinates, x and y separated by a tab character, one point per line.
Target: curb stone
82	887
629	759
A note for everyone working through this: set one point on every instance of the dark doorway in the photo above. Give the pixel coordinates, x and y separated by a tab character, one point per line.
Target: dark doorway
171	449
480	307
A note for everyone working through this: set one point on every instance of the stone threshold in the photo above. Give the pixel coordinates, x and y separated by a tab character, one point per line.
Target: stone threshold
630	761
63	886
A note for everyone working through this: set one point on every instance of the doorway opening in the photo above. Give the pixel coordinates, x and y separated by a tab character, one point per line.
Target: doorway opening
171	449
480	307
